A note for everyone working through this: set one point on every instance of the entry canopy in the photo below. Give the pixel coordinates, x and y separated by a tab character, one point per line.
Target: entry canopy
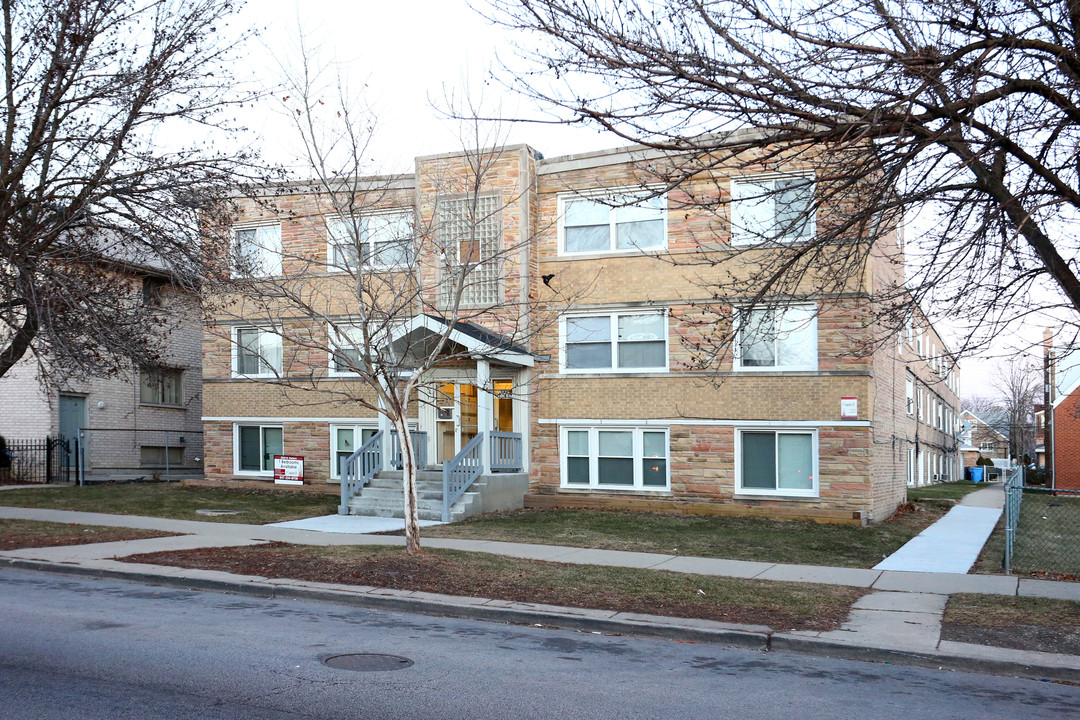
417	337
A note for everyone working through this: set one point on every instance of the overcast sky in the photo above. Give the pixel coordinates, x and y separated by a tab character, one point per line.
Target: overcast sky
406	55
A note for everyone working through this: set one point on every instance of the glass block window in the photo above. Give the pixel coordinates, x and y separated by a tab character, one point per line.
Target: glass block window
469	231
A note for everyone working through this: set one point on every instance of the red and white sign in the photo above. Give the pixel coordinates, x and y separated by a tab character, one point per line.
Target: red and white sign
289	469
849	408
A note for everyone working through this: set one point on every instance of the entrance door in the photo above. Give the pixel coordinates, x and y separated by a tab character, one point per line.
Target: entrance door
455	418
72	418
457	415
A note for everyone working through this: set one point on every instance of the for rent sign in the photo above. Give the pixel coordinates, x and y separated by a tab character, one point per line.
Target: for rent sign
288	469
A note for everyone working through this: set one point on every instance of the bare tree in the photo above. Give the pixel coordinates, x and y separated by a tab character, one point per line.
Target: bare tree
97	181
965	114
405	286
1018	387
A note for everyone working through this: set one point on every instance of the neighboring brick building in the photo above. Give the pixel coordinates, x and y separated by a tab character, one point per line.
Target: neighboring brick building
810	415
134	425
1063	381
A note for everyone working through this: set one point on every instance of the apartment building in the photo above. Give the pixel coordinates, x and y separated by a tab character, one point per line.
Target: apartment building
807	413
143	422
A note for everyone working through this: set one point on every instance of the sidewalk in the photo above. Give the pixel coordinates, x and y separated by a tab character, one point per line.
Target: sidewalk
901	620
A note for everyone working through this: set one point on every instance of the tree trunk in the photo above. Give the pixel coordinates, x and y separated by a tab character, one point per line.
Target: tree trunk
408	484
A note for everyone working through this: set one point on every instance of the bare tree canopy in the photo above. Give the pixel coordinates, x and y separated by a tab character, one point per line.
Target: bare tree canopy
104	159
971	108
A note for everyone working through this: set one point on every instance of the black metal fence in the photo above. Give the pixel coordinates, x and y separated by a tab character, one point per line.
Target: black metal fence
51	460
1042	529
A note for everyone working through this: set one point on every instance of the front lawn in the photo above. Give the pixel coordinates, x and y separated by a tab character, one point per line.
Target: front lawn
945	491
15	534
1022	623
171	500
800	542
782	606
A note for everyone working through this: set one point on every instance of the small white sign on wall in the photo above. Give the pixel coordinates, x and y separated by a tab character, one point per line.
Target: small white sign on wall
849	408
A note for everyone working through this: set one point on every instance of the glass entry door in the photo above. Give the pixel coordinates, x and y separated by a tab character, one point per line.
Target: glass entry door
455	418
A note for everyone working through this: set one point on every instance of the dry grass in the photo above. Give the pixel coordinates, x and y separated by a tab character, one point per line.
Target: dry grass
781	606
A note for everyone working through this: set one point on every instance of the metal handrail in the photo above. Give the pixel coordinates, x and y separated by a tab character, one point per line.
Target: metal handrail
505	451
358	469
459	473
419	444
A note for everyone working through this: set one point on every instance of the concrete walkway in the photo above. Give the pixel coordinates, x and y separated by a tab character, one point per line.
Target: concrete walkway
901	618
953	543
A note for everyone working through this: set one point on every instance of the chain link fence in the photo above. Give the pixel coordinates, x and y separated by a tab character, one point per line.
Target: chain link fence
149	453
1042	528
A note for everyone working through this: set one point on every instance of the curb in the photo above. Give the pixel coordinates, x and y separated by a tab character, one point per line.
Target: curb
684	630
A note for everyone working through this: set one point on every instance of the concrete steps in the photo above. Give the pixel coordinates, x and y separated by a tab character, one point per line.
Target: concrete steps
383	496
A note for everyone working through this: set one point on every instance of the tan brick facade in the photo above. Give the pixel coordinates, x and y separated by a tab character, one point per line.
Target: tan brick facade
862	461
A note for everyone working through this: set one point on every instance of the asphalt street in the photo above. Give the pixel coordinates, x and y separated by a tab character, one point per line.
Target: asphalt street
89	649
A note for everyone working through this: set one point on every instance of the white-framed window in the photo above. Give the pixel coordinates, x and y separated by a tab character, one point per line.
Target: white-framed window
254	448
910	395
160	386
922	413
347	439
911	467
385	242
776	461
345	344
630	341
612	222
615	457
987	446
257	251
256	352
772	209
782	338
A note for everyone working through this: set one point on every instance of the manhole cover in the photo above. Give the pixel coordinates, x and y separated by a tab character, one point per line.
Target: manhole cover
368	662
218	512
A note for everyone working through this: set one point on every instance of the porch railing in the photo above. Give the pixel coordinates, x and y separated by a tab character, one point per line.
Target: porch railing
459	473
358	469
419	445
505	451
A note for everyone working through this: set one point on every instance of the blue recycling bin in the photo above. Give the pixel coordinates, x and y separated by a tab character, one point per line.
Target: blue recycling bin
976	474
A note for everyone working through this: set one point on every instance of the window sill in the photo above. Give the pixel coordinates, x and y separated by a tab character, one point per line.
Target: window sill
582	489
774	369
772	496
168	406
613	371
600	254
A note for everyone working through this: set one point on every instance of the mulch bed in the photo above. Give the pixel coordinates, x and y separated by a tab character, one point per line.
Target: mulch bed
12	537
519	580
